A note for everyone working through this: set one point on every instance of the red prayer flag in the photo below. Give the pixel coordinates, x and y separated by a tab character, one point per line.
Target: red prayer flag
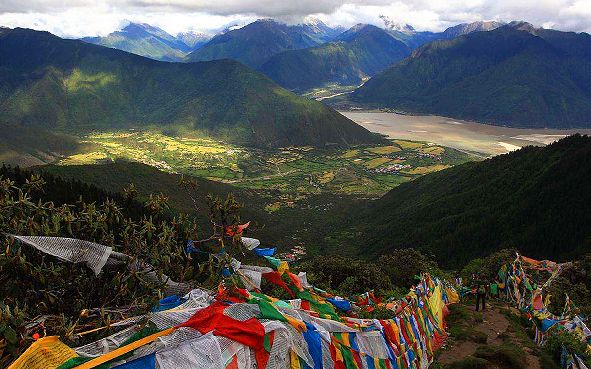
275	278
236	230
296	280
234	363
250	332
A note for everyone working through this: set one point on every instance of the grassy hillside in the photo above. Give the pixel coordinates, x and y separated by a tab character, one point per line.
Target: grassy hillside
506	76
27	146
58	84
145	40
537	199
147	180
259	40
358	54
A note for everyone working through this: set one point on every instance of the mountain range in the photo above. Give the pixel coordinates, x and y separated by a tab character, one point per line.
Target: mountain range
298	57
506	74
513	75
355	55
413	38
51	83
193	39
467	28
256	41
152	42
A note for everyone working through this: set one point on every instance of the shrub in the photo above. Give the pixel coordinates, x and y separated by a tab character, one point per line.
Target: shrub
345	275
557	339
477	336
470	363
472	268
379	312
487	268
402	265
575	282
478	318
510	357
458	315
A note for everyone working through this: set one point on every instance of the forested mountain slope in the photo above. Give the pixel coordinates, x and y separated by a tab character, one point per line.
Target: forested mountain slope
52	83
536	199
508	76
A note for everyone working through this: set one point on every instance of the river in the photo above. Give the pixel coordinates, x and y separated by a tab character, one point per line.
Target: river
459	134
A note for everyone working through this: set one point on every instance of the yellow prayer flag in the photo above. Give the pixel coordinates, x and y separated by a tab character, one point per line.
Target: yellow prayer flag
45	353
283	267
295	361
436	305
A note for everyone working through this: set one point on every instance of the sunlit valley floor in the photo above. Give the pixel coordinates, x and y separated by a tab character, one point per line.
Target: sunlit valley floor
362	170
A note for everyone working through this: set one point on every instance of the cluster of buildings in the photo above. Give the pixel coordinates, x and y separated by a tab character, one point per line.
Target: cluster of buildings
393	168
297	252
427	155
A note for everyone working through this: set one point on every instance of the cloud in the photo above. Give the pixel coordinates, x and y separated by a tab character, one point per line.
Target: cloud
76	18
220	7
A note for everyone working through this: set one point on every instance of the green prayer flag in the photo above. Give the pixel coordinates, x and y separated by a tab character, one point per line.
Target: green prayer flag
493	288
268	311
318	307
273	261
267	342
348	357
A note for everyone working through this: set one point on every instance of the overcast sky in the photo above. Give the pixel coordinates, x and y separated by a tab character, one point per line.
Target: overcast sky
77	18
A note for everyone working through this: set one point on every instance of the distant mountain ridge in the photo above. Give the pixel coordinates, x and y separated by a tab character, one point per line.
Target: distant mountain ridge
193	39
355	55
253	43
467	28
149	41
52	83
414	39
391	25
256	41
513	75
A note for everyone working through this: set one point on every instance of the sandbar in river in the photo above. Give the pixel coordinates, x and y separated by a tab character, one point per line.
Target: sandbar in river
459	134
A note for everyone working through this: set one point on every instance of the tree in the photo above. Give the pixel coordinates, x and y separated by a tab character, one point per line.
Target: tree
402	265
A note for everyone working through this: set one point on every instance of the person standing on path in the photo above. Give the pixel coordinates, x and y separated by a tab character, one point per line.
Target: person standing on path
481	295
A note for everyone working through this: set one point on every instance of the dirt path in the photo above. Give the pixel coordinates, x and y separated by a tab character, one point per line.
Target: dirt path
492	323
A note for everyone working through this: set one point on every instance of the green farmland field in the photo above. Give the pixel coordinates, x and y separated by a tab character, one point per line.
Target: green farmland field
363	170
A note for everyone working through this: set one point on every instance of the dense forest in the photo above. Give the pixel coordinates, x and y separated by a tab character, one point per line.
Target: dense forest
536	199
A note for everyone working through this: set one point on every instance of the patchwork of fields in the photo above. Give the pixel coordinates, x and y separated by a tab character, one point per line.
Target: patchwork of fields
363	170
